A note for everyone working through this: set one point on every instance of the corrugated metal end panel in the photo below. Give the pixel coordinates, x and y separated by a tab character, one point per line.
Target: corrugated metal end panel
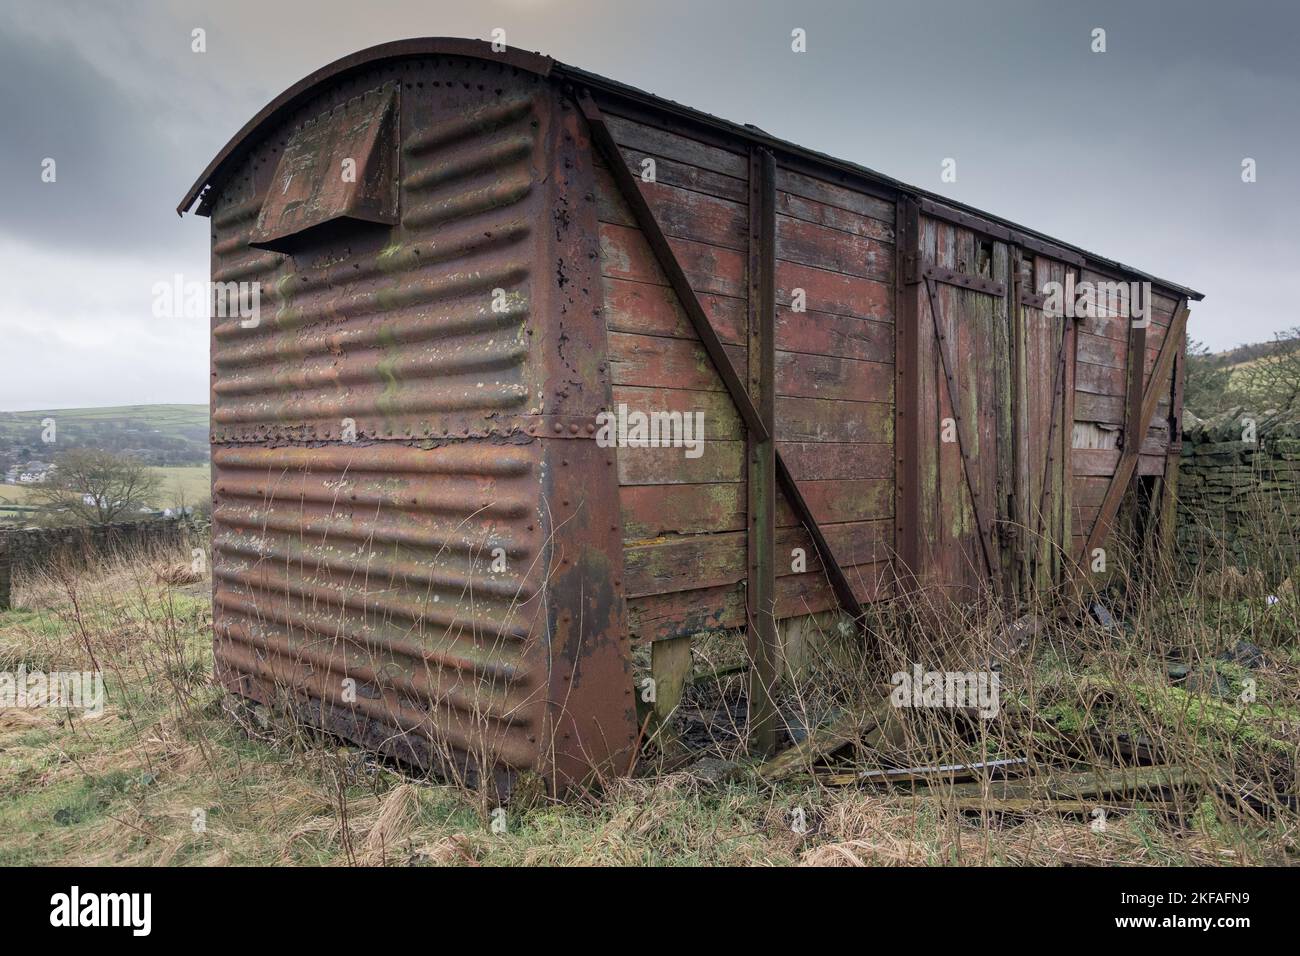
391	554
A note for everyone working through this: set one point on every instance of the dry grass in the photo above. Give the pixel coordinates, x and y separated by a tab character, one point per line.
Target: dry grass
166	777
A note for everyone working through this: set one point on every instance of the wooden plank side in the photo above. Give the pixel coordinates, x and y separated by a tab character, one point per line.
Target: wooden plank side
651	309
639	137
719	461
1106	409
1100	350
683	563
1131	459
1100	379
832	194
826	291
680	213
829	420
845	336
665	565
824	461
720	421
681	613
654	360
651	511
822	247
963	414
835	217
806	375
698	239
625	254
838	500
673	172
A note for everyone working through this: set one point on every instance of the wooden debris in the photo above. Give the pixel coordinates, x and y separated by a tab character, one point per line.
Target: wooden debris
946	772
824	741
1073	785
718	673
1017	636
1034	805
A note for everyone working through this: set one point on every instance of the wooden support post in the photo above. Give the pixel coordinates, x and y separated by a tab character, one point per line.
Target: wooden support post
764	648
1065	543
670	669
1137	363
907	409
1025	518
1168	520
1004	514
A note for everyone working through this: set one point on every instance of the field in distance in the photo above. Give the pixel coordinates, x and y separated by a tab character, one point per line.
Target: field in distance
171	439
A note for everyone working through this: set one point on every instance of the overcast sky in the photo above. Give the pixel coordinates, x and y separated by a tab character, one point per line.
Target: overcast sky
1134	153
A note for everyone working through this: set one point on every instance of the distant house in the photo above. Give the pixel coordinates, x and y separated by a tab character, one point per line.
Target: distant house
34	471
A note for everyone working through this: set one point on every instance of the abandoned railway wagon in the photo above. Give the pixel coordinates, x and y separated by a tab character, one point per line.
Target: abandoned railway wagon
541	367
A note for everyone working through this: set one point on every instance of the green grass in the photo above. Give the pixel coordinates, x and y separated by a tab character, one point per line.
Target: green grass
192	482
127	787
113	427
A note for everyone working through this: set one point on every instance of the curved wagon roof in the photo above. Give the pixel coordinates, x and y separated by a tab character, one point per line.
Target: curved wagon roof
615	94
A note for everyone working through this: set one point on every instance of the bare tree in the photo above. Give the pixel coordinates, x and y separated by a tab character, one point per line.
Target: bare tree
91	486
1207	388
1272	381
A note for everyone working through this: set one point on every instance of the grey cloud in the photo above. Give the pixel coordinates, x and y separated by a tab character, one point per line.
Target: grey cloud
1134	153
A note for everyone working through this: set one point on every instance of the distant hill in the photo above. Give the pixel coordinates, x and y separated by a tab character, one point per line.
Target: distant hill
1243	354
162	435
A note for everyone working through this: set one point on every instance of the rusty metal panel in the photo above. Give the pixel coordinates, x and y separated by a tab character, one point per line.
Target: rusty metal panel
337	170
416	538
373	562
417	332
